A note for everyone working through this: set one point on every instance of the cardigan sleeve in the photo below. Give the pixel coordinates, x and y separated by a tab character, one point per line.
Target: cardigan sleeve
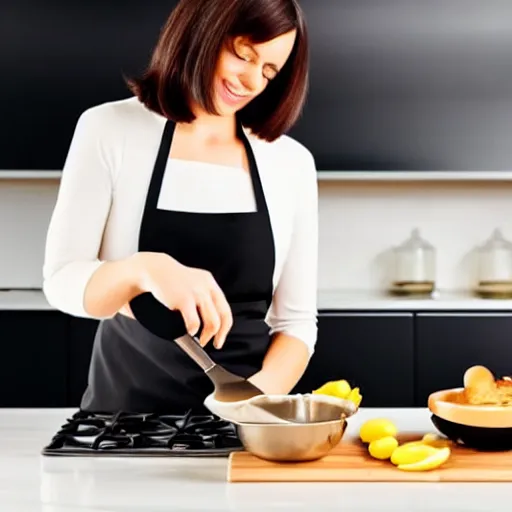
294	305
77	224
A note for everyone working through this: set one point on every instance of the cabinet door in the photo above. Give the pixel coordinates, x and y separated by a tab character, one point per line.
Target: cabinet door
33	366
81	340
449	343
373	351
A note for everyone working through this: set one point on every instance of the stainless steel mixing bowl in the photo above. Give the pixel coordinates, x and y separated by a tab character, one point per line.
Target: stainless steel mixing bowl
317	426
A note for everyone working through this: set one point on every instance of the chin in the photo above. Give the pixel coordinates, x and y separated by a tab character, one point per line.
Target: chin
224	110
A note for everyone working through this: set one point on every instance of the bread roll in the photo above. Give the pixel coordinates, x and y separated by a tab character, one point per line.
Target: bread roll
481	388
505	390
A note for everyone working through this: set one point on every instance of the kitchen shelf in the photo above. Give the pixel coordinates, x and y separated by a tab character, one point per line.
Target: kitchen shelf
430	176
30	175
331	176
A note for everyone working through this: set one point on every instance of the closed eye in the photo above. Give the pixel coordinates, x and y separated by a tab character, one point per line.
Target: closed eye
249	54
272	74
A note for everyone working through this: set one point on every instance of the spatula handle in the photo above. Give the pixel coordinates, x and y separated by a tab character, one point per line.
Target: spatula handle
191	347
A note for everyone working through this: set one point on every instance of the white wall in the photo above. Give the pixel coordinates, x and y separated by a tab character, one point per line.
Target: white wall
25	211
359	222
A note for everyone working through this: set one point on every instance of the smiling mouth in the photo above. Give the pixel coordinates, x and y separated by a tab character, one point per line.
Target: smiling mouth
233	95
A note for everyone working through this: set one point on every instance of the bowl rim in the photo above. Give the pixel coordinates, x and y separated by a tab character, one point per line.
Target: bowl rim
488	416
342	421
350	408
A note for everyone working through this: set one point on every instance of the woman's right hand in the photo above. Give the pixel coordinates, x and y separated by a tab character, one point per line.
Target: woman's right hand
191	291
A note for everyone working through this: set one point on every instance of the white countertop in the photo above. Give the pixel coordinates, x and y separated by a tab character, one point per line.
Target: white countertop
366	300
24	300
32	483
343	300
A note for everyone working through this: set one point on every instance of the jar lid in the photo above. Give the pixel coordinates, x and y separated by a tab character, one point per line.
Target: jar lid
496	242
415	243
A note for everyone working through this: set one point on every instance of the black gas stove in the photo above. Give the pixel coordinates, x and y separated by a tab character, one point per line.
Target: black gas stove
125	434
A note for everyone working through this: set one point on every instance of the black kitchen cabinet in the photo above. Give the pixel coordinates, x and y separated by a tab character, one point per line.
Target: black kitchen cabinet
396	358
373	351
81	339
447	344
33	366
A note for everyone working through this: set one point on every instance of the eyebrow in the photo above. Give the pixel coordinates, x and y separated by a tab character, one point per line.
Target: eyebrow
269	64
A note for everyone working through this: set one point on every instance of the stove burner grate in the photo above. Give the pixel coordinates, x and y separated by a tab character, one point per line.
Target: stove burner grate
144	434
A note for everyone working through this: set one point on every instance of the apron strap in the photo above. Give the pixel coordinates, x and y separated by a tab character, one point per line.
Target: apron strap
160	166
261	204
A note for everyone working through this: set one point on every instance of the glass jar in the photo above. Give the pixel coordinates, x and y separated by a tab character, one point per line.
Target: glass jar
495	267
414	270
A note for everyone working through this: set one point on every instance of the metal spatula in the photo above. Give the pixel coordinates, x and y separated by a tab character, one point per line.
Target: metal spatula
228	386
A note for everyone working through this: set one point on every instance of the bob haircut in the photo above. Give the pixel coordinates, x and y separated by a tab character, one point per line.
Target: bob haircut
184	60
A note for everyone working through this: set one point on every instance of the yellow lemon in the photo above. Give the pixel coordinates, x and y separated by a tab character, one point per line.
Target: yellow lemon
323	389
383	448
436	441
355	396
339	388
377	428
410	453
438	458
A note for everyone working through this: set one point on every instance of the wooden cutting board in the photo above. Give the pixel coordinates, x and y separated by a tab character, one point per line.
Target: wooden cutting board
350	462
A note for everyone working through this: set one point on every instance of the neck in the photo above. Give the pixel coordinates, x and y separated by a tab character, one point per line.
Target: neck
211	128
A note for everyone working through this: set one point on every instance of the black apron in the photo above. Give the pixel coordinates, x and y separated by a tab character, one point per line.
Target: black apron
135	364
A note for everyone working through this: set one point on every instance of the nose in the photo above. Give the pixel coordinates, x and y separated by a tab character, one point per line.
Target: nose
252	79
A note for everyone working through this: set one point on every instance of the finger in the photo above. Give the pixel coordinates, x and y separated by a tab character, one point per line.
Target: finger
225	315
210	317
188	310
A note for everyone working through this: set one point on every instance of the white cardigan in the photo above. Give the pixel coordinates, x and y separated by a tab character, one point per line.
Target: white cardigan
103	191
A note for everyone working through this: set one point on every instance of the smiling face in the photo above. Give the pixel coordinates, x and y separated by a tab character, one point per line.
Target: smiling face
244	69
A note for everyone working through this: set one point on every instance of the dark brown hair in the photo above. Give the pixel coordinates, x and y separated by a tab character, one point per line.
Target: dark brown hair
185	57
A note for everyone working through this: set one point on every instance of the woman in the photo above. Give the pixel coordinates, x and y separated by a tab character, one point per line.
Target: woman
185	208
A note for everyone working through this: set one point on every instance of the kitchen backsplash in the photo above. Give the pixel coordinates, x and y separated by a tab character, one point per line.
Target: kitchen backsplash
359	223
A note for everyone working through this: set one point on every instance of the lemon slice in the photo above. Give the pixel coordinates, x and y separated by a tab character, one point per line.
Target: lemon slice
431	462
410	453
338	388
436	441
355	397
